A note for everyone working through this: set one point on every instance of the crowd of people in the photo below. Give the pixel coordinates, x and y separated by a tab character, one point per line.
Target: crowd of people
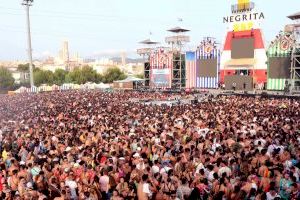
91	145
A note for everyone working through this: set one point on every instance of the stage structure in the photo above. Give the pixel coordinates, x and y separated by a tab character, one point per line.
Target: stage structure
244	59
177	42
279	61
295	64
145	51
207	64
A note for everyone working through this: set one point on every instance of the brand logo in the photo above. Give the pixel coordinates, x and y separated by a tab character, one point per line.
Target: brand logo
208	49
243	17
284	45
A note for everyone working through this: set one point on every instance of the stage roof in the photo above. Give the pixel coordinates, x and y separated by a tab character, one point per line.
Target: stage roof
295	16
178	30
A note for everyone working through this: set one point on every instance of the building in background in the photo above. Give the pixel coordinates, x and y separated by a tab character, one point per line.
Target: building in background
64	55
123	57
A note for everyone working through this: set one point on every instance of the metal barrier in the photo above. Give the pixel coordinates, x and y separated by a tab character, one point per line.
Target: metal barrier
296	88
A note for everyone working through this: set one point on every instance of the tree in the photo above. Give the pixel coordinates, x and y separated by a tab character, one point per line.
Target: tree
141	76
6	79
43	77
24	67
84	75
59	76
91	75
113	74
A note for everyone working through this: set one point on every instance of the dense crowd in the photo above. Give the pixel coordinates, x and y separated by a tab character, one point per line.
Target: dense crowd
92	145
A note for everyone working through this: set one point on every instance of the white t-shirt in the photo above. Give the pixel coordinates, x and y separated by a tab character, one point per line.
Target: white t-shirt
200	166
72	185
155	169
270	197
215	146
146	189
211	176
104	181
141	166
252	132
155	157
263	142
165	170
203	132
226	170
272	147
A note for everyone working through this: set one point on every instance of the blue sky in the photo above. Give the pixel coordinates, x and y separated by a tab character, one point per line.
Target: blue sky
106	27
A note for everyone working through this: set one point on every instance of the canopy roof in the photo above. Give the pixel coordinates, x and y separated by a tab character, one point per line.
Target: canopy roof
148	41
178	30
295	16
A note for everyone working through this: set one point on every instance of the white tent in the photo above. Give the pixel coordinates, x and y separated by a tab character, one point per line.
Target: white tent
130	79
21	90
103	86
55	87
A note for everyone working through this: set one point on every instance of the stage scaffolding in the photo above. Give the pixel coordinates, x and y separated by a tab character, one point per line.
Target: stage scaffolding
295	57
177	42
145	51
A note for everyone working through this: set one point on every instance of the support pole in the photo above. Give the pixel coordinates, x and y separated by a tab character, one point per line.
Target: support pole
27	4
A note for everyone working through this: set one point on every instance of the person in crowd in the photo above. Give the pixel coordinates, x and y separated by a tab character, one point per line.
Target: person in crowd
92	145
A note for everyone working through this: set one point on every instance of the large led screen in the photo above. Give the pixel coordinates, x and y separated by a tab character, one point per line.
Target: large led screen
279	67
242	48
160	77
207	68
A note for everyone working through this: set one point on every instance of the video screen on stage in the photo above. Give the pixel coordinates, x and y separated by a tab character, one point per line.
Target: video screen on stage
160	77
207	67
242	48
280	67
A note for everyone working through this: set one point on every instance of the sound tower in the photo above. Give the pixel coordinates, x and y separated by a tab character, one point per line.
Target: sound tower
183	71
178	72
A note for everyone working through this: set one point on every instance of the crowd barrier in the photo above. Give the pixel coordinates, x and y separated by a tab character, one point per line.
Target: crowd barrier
46	88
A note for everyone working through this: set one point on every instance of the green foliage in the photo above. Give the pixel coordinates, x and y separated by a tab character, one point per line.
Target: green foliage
6	79
59	76
77	76
24	67
113	74
43	77
84	75
91	75
68	78
141	76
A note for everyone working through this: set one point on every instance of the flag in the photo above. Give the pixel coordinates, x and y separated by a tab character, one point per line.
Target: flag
190	69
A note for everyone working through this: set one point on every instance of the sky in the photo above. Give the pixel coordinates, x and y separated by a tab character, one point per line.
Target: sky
96	28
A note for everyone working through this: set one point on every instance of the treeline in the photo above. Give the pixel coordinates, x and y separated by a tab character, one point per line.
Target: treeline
80	75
